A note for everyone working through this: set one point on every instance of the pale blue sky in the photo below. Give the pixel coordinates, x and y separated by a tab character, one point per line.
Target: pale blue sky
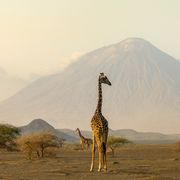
39	36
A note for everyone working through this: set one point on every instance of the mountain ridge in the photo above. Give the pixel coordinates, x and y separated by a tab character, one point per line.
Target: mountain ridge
40	125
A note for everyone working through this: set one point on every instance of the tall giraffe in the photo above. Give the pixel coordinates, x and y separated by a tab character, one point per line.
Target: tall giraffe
85	142
99	127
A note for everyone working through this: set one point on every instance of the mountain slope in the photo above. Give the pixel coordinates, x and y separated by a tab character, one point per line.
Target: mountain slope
145	91
10	84
39	125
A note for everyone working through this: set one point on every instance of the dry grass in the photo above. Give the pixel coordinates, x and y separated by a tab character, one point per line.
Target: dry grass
159	162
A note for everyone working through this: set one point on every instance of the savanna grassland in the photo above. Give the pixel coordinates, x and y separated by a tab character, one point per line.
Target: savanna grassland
161	162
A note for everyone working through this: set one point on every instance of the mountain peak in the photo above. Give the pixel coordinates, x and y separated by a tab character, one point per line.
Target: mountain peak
134	40
135	44
39	123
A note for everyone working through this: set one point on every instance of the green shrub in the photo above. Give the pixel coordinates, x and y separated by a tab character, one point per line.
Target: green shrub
8	134
114	142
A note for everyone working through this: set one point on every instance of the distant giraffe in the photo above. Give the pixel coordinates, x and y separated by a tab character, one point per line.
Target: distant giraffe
85	142
99	127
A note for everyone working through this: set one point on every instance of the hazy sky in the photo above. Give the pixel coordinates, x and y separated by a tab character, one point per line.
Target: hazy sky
40	36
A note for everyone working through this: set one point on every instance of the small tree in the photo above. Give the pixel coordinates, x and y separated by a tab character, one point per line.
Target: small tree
114	142
8	134
61	142
45	140
26	145
37	143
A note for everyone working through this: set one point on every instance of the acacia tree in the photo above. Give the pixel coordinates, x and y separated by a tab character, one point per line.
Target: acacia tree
37	143
114	142
45	140
26	145
8	134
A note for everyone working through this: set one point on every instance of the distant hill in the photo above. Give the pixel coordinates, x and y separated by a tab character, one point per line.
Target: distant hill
137	137
146	137
39	125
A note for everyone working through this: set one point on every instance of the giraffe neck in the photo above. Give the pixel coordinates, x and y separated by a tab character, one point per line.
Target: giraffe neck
99	105
80	135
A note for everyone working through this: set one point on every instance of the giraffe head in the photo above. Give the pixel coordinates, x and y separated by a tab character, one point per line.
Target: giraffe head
77	129
103	79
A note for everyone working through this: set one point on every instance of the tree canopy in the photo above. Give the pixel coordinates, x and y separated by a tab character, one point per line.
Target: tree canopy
8	134
38	142
114	142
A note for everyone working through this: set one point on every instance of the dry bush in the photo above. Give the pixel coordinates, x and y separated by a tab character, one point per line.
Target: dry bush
26	145
114	142
37	143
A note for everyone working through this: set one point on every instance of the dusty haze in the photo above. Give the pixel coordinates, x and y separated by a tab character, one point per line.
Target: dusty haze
40	37
144	94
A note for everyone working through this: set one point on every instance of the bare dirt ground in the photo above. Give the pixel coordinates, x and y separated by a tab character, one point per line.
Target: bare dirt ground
158	162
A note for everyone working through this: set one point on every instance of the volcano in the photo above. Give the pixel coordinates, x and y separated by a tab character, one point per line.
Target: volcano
145	91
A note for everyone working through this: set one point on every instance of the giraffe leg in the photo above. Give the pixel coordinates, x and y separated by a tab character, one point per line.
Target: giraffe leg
105	162
103	159
100	158
104	165
83	145
104	151
93	154
87	146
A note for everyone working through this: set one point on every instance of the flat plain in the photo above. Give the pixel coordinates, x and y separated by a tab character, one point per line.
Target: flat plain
157	162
